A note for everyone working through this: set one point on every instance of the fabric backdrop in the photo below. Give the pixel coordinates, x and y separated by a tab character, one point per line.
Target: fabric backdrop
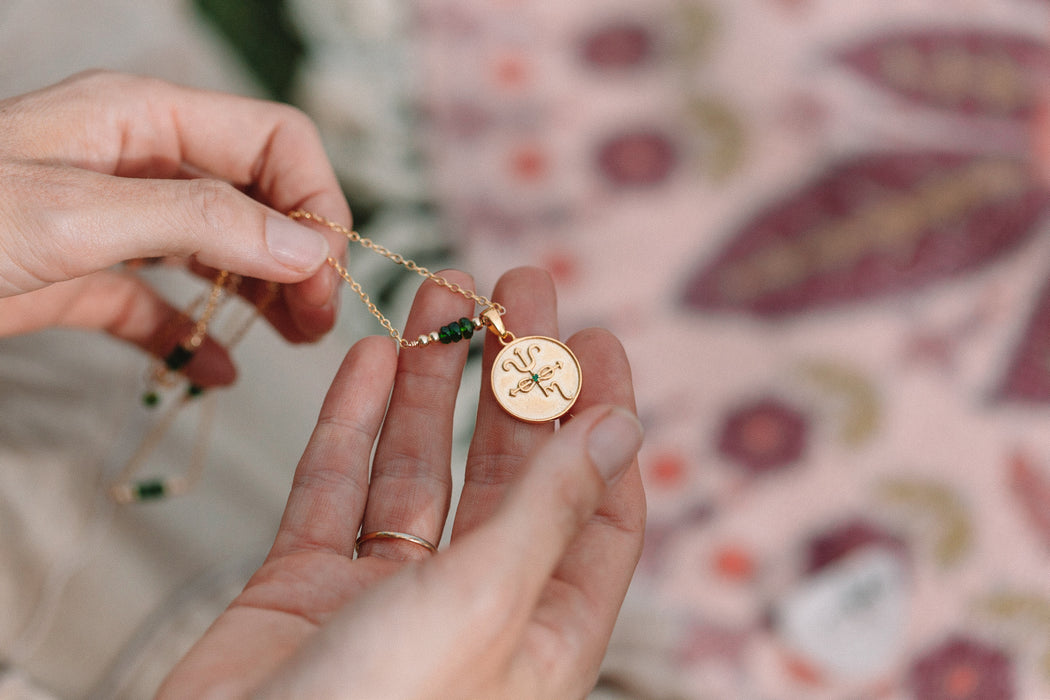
819	228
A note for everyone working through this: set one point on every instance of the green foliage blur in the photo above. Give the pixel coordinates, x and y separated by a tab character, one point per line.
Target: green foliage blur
263	36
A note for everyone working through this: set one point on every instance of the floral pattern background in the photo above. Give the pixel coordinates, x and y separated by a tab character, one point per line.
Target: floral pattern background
820	229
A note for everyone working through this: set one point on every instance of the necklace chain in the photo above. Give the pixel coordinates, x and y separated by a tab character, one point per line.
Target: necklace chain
355	237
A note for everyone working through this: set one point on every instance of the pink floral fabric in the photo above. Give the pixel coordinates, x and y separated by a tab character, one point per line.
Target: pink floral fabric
821	232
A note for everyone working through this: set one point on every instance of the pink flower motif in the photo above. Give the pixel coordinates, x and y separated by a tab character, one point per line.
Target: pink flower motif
963	669
764	436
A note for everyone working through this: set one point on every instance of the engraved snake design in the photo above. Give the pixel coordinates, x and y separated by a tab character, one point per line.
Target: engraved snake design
536	377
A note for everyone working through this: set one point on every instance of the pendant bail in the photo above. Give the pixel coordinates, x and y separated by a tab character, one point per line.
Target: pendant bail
491	317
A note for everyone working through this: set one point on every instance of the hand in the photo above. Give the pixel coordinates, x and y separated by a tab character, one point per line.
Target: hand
545	539
104	168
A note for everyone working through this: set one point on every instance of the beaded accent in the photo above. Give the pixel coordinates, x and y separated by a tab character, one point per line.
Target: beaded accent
179	357
463	329
411	265
167	374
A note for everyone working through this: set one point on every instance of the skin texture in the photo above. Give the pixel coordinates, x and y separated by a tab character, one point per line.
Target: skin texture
522	602
105	167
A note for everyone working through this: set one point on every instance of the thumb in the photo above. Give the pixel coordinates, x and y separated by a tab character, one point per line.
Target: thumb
564	482
458	615
222	227
99	220
123	306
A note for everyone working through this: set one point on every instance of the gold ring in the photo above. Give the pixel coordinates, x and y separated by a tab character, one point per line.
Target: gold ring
389	535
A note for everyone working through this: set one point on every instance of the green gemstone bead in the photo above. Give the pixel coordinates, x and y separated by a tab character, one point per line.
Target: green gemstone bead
149	490
454	332
178	358
445	335
150	399
466	328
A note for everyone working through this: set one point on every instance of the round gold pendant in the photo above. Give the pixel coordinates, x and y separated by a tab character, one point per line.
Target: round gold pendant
536	379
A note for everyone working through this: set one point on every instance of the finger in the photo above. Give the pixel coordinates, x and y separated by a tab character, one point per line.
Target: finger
154	129
274	301
107	219
518	548
501	442
411	475
149	128
205	219
582	607
330	487
460	617
123	306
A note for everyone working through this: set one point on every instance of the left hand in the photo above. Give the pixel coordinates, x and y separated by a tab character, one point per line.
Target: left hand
546	535
103	168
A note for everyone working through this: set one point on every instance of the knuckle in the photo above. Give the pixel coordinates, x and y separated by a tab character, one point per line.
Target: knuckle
92	75
93	81
217	203
417	468
493	469
295	118
327	480
291	120
296	126
89	88
578	495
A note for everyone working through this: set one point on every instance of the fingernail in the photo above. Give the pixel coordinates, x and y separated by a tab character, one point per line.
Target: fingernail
295	246
614	441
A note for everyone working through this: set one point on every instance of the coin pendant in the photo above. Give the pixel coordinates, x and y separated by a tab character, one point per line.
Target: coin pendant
536	379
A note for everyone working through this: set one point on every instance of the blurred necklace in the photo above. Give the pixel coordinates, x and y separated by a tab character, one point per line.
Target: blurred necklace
166	377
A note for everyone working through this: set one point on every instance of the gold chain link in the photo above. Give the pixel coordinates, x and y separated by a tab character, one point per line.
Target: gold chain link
355	237
218	290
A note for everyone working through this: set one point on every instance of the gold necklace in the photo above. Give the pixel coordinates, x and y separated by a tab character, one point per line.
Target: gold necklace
536	379
167	374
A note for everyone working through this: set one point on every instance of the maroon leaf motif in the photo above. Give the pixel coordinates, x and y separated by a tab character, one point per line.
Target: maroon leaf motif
973	72
1028	375
879	224
1032	491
